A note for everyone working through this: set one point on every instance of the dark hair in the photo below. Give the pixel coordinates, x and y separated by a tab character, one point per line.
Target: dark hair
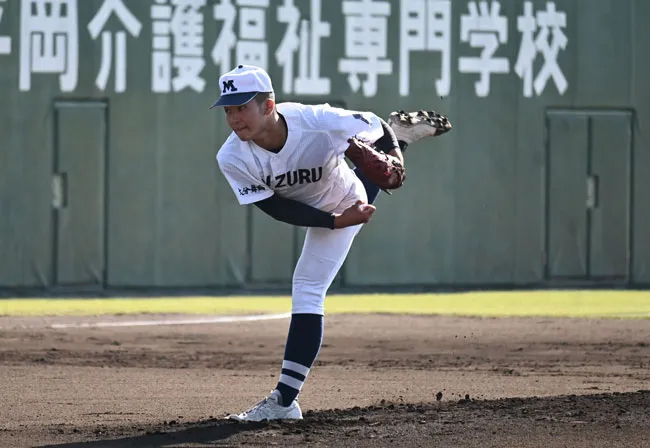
261	97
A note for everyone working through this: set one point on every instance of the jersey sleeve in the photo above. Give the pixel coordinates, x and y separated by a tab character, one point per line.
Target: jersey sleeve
343	124
247	188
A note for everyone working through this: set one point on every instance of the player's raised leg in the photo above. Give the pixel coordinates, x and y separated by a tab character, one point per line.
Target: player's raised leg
401	130
410	127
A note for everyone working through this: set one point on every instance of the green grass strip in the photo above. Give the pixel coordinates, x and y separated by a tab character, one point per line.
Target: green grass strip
633	304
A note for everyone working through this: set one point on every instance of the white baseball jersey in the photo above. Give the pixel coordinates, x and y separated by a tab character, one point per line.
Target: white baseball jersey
310	168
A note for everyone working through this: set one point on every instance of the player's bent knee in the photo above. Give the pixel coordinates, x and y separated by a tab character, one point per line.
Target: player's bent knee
308	299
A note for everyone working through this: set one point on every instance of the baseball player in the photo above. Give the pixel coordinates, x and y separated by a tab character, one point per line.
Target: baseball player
289	160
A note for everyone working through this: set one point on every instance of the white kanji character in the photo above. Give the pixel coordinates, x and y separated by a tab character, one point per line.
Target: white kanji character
425	25
530	46
554	20
5	41
227	38
187	29
161	57
251	47
365	43
484	28
49	41
308	81
527	25
289	14
95	27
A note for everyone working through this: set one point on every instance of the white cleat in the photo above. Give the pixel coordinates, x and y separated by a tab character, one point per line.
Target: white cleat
411	127
270	409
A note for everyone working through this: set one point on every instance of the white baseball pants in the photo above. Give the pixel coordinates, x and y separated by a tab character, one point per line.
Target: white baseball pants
323	254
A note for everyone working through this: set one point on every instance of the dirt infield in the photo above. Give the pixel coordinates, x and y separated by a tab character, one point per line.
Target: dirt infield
380	380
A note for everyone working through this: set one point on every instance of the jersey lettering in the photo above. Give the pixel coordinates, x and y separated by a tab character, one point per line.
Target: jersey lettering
316	175
300	177
291	182
304	176
250	189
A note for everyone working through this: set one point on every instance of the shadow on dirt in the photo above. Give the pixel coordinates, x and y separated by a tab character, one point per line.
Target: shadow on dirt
199	433
609	419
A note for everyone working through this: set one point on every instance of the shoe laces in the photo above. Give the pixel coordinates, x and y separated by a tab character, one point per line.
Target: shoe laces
257	407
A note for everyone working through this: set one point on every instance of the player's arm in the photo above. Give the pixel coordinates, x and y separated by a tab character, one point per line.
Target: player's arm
295	213
249	190
299	214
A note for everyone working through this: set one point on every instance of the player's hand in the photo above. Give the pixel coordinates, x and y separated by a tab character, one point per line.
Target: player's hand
359	213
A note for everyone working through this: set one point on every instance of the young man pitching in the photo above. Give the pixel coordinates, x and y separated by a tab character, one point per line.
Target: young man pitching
288	160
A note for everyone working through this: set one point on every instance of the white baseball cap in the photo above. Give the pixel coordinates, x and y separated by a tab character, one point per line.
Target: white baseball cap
241	84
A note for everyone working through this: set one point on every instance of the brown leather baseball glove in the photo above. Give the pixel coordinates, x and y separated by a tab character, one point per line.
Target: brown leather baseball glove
384	170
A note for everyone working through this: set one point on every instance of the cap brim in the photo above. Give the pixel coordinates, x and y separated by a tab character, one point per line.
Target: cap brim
234	99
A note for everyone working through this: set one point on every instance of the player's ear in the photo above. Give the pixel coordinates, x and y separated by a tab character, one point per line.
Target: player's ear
269	106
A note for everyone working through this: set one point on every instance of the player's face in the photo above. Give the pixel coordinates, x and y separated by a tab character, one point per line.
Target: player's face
246	120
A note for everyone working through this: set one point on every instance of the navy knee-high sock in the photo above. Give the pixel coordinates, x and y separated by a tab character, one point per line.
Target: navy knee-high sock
303	344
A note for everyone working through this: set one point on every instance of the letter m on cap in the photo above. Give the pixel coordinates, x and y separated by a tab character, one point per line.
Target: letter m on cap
229	85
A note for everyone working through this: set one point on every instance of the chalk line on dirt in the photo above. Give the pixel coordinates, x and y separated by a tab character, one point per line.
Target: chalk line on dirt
155	322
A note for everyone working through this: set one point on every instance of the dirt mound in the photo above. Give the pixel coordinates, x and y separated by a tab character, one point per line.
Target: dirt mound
397	381
618	419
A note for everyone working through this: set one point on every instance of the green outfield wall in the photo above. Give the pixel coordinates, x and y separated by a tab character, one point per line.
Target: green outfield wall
107	147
